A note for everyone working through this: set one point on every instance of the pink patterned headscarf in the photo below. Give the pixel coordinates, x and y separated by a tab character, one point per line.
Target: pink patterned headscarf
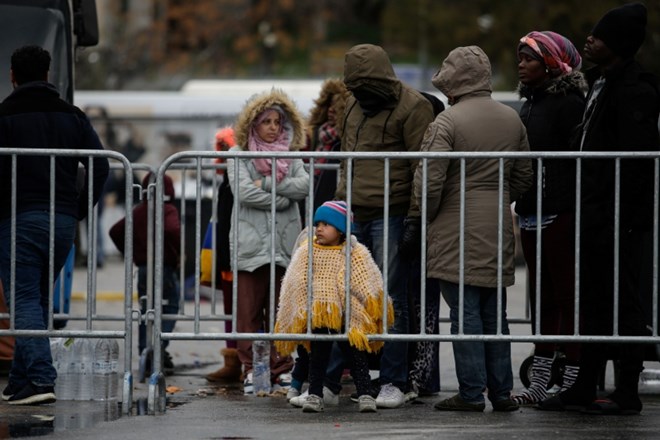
255	143
557	52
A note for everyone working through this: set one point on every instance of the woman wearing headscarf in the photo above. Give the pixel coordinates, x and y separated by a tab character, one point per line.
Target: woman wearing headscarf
554	91
269	122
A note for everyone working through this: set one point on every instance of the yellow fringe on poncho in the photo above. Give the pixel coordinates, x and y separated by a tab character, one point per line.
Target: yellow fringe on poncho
328	296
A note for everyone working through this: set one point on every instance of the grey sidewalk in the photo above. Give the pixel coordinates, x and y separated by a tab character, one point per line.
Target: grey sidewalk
198	411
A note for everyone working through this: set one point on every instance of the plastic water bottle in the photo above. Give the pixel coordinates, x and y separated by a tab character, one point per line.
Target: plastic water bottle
105	369
85	356
261	367
66	386
101	370
113	382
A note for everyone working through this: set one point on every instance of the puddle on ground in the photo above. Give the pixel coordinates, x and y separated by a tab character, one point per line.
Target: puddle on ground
35	421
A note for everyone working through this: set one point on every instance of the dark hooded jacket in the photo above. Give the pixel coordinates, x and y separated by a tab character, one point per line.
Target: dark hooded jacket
551	114
398	126
625	119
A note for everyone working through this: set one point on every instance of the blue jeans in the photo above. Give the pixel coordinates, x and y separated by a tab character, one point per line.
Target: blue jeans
480	365
170	302
32	358
394	359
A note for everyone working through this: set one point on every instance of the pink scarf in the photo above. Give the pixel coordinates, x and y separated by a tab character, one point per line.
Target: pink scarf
255	143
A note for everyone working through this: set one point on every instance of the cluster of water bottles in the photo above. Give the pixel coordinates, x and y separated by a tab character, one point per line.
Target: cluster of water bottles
87	369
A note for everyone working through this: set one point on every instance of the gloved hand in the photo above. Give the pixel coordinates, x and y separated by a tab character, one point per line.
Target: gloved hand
411	240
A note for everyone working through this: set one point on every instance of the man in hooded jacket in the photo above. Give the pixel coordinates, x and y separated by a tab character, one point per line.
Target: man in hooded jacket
474	123
384	115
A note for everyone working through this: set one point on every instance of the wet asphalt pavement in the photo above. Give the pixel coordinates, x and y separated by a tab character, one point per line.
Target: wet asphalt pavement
196	410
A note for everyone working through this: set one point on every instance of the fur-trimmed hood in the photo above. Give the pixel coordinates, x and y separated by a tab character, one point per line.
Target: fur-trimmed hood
295	123
329	89
561	85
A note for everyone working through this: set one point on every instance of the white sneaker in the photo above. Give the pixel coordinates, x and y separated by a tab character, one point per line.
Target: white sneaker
313	403
366	403
248	388
390	397
329	398
291	393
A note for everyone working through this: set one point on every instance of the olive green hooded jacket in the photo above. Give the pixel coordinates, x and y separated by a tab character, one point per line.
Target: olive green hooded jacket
398	127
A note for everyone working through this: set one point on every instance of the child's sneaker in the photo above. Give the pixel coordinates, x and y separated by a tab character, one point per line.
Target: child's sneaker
313	403
248	388
293	392
329	398
294	389
366	403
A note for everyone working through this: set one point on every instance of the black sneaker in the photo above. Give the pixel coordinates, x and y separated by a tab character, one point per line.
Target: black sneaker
168	365
10	390
33	395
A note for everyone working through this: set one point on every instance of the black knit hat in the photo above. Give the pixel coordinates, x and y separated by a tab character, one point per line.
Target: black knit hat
623	29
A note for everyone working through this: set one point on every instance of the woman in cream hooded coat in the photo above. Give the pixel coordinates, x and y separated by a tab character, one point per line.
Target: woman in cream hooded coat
474	122
269	122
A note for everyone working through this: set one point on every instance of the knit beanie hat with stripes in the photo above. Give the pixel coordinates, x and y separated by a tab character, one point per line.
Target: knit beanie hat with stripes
333	213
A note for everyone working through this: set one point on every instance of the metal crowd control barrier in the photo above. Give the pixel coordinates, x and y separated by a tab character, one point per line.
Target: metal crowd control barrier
90	317
199	161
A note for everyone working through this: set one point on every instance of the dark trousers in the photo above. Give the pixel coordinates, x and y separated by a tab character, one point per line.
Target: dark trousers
320	356
597	306
252	315
557	293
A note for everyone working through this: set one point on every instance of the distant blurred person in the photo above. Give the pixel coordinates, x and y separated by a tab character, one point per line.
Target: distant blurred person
324	128
34	116
171	260
231	370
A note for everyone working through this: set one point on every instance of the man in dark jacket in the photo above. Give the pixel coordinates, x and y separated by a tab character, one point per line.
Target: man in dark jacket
621	115
34	116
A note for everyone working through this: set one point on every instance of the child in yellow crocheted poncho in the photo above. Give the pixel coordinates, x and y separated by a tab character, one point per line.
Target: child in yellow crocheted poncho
328	302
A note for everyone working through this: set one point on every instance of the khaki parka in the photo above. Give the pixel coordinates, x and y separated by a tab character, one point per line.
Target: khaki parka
474	122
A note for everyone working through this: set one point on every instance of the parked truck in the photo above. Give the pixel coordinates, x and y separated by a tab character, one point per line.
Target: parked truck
59	26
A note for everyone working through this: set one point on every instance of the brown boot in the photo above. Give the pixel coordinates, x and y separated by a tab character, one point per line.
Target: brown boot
231	371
